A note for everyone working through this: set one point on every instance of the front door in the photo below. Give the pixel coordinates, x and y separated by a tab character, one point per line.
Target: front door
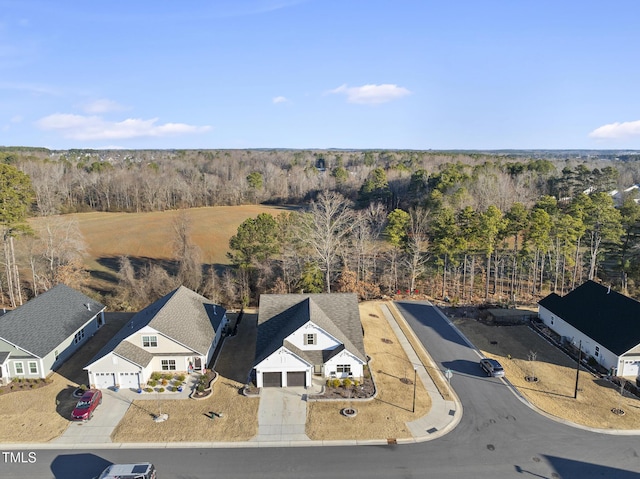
198	364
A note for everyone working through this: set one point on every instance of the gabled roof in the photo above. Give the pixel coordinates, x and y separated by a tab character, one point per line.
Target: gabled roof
46	321
609	318
282	314
4	356
182	315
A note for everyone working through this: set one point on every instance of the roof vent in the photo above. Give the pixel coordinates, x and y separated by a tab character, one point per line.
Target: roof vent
609	290
88	305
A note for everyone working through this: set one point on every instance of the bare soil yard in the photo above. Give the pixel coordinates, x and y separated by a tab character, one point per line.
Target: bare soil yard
386	415
556	373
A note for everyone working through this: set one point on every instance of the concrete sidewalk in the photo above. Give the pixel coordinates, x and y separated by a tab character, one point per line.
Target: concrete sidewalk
444	415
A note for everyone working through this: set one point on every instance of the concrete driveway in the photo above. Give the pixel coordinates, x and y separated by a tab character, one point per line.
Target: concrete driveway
99	428
282	415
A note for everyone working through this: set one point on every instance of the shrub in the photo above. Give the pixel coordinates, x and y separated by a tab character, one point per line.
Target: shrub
167	377
160	390
82	388
335	383
148	390
164	381
347	383
156	376
181	377
152	382
200	388
356	383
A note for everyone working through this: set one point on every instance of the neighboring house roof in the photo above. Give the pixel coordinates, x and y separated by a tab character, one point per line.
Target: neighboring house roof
47	320
4	356
610	318
282	314
182	315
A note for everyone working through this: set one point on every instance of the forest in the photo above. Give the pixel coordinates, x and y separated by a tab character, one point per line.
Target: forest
497	227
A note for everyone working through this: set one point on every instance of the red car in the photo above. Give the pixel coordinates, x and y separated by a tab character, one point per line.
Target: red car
86	405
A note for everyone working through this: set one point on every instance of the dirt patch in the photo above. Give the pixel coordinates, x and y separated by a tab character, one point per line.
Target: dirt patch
235	418
554	390
386	415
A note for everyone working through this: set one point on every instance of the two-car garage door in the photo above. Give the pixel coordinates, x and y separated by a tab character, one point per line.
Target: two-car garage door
274	380
125	380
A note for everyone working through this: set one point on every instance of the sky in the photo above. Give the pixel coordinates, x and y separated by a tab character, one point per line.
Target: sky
353	74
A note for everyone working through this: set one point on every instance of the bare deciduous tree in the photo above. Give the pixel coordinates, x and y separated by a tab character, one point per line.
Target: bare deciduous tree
325	230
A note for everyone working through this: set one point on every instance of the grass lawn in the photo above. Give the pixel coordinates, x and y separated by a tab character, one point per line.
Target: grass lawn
385	416
189	419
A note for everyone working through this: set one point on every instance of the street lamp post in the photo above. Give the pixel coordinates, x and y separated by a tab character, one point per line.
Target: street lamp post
415	374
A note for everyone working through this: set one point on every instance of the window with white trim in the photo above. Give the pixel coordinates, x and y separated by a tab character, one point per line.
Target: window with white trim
33	367
150	341
343	368
79	336
18	367
168	364
310	338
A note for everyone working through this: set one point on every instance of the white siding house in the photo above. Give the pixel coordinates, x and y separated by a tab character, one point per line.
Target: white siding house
604	323
302	335
177	333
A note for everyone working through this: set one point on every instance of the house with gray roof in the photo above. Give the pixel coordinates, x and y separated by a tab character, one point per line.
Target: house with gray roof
177	333
37	337
302	335
601	321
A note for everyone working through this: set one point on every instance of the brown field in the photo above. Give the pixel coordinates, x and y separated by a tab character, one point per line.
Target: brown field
554	391
385	416
149	235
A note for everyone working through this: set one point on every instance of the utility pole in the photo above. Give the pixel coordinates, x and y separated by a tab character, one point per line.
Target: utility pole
575	393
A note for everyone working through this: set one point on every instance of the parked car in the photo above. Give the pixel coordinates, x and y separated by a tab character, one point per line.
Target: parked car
86	405
492	367
141	470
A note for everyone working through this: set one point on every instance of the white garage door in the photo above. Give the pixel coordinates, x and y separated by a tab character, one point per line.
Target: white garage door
631	368
129	380
104	380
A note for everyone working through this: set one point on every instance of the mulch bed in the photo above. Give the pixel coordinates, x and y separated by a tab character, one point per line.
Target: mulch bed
24	385
362	391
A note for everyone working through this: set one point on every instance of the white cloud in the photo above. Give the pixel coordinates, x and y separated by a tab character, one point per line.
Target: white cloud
372	94
79	127
102	105
617	130
280	99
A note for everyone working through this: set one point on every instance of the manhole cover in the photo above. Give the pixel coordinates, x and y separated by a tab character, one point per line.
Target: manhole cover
491	447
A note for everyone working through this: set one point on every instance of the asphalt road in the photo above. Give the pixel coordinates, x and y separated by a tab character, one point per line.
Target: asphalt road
498	437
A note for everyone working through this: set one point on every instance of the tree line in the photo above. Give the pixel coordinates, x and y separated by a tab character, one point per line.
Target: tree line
460	226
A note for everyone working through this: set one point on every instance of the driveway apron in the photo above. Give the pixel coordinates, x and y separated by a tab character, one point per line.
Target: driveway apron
99	428
282	415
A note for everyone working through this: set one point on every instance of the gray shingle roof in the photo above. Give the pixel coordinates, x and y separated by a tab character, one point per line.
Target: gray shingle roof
133	353
4	356
43	323
282	314
182	315
606	316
